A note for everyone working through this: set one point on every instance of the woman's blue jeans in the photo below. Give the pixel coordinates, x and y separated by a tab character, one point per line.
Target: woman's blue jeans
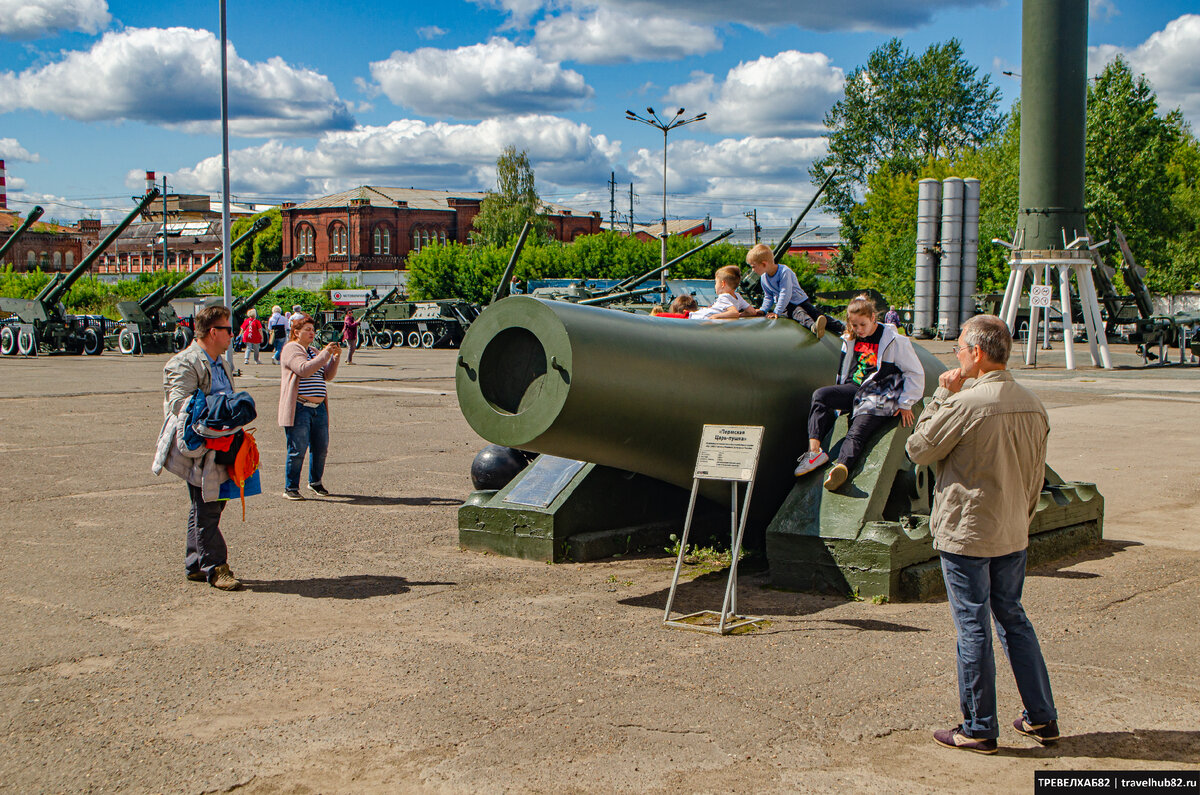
308	433
981	589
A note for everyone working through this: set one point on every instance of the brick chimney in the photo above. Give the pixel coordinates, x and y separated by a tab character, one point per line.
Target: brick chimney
150	181
3	190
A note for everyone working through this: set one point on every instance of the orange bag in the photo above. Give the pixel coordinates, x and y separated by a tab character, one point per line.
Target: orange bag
244	465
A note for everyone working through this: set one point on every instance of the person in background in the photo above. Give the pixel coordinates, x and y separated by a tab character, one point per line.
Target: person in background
304	405
891	316
985	435
350	334
277	326
514	287
252	335
202	366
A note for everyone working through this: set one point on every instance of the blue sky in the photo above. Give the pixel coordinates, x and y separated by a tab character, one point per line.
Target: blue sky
326	96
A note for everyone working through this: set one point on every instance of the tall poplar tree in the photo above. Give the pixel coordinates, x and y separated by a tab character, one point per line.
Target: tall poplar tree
505	210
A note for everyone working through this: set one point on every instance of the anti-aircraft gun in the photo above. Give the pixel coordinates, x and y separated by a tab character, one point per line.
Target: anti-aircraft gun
42	323
331	330
623	295
34	214
151	325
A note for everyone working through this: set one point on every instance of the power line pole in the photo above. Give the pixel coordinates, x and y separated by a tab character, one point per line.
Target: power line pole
753	216
164	224
631	209
612	200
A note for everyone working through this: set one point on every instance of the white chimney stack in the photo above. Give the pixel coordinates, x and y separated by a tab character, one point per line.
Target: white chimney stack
3	190
150	181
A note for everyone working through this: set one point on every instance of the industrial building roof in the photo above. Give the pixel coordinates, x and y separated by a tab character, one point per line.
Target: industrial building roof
416	198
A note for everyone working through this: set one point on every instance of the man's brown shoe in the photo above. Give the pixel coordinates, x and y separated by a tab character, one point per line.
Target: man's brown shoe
223	578
197	576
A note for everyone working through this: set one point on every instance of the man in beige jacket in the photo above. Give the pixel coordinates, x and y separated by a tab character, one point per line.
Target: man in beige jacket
986	437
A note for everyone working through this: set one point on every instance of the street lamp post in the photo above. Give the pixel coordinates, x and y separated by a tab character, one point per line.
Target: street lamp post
665	126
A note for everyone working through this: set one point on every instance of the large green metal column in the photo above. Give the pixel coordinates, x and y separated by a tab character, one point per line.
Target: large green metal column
1053	122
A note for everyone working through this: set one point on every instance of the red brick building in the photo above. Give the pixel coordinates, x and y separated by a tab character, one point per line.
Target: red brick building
372	228
50	247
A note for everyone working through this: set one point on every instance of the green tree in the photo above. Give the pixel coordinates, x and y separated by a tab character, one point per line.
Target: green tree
505	210
1130	182
899	112
265	251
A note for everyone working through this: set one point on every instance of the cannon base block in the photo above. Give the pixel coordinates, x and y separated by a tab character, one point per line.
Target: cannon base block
600	513
871	537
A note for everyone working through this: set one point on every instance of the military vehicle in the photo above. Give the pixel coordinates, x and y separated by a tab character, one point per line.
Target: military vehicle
150	323
41	325
442	322
368	333
34	214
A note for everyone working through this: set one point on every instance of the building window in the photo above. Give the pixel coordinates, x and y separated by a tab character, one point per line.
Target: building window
70	259
382	240
416	246
339	240
31	260
442	237
57	260
307	240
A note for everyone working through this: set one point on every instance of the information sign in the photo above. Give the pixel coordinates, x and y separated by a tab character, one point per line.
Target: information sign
349	297
1040	295
728	452
544	481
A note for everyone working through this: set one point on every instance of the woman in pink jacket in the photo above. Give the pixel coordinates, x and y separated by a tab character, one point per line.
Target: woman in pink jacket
303	404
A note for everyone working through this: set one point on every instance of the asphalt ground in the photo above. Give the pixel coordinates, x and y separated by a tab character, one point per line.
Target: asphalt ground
368	653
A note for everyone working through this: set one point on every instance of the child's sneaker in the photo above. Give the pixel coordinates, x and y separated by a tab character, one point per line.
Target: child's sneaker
810	461
818	327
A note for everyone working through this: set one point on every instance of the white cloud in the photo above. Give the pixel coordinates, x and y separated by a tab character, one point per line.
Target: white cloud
1168	59
856	15
497	78
11	149
430	32
35	19
785	94
730	177
411	153
605	37
171	77
1102	10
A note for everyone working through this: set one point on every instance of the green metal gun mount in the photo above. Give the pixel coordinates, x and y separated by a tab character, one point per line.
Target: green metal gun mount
625	397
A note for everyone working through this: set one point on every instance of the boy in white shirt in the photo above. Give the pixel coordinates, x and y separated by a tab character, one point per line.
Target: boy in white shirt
729	305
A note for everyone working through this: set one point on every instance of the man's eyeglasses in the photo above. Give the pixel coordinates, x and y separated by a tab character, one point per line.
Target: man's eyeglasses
965	348
224	328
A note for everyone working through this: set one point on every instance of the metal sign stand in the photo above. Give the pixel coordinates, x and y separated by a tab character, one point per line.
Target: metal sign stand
727	452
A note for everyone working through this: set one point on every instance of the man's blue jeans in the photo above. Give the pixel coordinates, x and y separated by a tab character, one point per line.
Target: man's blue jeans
308	433
977	587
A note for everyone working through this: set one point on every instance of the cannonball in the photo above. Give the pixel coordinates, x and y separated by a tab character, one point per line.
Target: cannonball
494	466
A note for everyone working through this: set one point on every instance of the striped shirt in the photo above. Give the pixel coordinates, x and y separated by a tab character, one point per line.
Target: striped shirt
312	386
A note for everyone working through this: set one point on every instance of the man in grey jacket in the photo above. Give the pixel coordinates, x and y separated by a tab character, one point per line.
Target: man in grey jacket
986	437
201	366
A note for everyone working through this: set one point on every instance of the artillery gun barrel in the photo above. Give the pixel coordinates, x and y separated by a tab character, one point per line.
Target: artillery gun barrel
240	305
53	293
634	281
502	288
782	246
608	298
634	392
157	299
34	214
373	308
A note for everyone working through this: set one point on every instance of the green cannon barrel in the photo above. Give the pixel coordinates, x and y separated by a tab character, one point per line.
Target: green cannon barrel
634	392
34	214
